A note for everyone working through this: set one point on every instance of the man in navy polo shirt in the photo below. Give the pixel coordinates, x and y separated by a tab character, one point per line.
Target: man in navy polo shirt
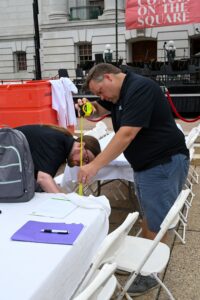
145	131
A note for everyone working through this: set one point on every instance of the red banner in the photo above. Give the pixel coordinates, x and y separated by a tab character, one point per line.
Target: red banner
157	13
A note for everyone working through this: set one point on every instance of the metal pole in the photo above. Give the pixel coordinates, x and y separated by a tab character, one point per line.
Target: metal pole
164	49
36	40
116	29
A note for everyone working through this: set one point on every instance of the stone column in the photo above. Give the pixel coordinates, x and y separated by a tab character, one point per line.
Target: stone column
110	6
59	10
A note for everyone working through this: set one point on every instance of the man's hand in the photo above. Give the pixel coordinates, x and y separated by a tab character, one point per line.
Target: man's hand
117	145
87	172
79	107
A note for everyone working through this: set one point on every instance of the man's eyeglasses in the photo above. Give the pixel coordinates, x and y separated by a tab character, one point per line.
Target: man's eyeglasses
86	158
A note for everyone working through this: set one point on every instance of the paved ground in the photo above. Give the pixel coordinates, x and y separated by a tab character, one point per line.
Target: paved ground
182	274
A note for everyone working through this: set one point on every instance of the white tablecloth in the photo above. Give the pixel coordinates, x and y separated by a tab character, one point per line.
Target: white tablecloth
119	168
39	271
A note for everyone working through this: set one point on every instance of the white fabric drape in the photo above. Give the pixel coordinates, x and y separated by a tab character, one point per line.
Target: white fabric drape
62	101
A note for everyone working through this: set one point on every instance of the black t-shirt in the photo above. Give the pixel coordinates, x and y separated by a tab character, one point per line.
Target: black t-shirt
143	104
49	147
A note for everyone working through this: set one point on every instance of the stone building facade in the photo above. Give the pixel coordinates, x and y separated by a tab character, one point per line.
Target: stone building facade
75	31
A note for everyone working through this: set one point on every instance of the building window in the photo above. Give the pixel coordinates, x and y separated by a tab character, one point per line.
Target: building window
85	12
20	62
85	53
99	3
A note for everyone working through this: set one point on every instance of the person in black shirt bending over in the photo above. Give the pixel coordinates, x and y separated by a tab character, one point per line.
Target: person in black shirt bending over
51	146
147	134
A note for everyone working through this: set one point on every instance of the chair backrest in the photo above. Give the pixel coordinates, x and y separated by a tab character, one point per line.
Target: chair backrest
110	246
97	286
192	136
113	241
166	224
101	125
102	129
198	127
99	131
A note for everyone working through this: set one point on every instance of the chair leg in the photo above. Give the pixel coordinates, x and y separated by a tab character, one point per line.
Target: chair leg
123	293
131	280
120	290
182	239
139	232
128	297
183	222
194	174
187	208
189	183
189	201
164	287
188	205
182	216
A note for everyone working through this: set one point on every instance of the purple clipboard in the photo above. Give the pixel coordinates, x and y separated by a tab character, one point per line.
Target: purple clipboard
32	232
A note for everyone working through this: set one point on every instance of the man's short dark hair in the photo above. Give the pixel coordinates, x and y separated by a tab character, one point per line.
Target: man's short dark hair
97	72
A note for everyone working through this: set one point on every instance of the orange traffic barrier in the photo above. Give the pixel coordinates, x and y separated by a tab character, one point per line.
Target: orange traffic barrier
27	103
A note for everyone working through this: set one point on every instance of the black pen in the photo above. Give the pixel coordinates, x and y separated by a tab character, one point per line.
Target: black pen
59	231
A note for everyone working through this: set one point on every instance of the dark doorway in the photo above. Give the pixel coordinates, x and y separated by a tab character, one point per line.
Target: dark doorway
194	46
144	51
195	51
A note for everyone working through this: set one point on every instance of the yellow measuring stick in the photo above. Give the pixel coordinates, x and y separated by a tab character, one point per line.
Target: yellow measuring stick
86	111
80	188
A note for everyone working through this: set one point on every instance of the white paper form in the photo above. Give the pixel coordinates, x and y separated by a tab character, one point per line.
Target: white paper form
55	208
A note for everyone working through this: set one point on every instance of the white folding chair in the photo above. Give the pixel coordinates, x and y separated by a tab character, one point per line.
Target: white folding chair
192	136
102	287
99	131
188	204
148	257
193	176
182	218
108	249
190	140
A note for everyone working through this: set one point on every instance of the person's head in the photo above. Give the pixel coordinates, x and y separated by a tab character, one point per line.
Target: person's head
91	148
105	80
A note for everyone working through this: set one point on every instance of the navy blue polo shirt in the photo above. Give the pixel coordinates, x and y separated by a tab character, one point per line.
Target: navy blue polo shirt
143	104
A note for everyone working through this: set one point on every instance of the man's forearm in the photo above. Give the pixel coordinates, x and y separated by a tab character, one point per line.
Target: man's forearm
50	187
47	183
117	145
